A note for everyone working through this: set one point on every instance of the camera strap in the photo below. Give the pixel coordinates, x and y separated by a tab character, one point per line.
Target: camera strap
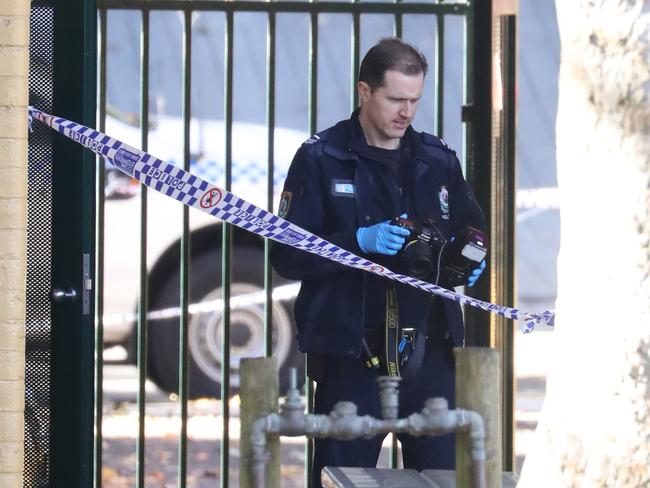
404	346
391	343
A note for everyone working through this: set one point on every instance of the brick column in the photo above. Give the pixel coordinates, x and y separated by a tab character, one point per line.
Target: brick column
14	66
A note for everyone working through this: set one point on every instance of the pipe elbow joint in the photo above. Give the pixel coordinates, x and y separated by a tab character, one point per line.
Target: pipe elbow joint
476	434
259	432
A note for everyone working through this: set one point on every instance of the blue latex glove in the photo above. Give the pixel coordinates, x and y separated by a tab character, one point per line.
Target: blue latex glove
475	274
382	238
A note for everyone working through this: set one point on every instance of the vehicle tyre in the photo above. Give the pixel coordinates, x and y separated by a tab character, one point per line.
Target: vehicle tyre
205	326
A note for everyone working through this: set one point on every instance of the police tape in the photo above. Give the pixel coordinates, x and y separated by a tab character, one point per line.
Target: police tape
195	192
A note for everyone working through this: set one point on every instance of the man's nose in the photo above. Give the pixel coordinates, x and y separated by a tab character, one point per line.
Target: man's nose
407	109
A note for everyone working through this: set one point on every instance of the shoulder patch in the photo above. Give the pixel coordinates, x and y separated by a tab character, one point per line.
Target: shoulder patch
285	202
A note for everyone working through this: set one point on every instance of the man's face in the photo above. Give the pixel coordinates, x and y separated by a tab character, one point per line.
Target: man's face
387	111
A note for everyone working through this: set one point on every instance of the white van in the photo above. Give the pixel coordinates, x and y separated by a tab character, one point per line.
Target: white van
164	222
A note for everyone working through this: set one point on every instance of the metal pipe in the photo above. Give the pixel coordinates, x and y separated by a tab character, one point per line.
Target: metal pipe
343	423
389	396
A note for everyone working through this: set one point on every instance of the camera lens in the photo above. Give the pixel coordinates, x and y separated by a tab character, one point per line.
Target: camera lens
421	268
419	259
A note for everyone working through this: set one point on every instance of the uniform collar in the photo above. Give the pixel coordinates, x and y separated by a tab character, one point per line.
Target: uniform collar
347	136
356	138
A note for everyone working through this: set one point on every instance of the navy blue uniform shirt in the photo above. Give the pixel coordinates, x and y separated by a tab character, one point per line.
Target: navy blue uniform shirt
333	187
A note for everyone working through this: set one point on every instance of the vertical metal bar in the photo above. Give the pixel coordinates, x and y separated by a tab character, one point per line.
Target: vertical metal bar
397	23
356	48
313	72
185	252
468	88
506	186
479	326
226	255
143	302
392	450
440	74
312	117
99	270
270	123
309	443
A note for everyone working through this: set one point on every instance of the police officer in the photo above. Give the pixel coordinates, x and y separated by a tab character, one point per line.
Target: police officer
344	185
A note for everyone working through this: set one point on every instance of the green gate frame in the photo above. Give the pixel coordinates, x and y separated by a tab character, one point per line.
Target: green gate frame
77	326
73	249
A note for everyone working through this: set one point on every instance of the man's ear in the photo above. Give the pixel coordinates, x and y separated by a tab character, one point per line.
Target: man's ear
364	91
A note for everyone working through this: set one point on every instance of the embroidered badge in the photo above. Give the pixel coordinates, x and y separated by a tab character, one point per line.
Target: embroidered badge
443	196
285	201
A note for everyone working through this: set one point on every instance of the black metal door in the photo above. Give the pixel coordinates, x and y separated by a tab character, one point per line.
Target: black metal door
60	309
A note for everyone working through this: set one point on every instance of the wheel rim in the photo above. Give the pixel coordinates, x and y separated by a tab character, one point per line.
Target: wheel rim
246	332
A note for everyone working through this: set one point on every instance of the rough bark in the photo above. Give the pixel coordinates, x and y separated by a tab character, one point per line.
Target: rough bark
595	424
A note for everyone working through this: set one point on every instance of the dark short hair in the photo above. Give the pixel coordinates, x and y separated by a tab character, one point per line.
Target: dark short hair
391	53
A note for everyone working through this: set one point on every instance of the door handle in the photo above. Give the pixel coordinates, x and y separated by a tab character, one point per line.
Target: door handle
57	295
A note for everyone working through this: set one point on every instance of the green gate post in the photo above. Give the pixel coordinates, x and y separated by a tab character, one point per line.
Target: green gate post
491	172
73	260
504	222
478	115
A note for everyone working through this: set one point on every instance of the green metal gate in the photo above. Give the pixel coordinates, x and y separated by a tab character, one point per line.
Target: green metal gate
230	244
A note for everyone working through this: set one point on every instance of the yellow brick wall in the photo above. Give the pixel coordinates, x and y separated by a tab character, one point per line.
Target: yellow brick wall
14	62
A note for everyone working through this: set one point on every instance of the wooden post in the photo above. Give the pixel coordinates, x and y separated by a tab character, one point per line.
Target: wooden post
477	389
259	397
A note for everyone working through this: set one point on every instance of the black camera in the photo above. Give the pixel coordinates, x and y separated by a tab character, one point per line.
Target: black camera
429	256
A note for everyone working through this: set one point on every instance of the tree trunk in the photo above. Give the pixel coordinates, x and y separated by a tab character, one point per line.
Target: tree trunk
594	428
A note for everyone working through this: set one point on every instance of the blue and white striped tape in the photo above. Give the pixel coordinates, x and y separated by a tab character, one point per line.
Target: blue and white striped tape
195	192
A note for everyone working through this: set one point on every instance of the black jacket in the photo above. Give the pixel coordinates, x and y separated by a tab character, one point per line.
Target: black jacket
327	193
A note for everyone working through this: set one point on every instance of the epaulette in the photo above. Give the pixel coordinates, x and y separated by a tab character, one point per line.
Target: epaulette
319	137
431	140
